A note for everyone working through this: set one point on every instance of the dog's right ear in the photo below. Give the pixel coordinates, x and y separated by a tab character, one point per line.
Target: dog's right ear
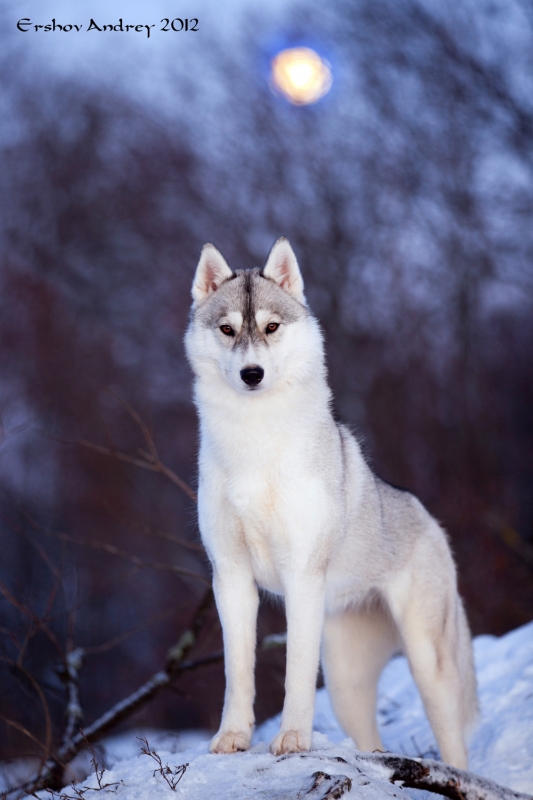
211	272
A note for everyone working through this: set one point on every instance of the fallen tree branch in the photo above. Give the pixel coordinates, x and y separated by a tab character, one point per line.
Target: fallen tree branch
419	773
137	699
427	774
175	666
437	777
51	776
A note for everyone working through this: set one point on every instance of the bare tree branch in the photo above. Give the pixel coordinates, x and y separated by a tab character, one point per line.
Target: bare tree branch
487	77
46	710
74	660
435	776
38	623
149	458
153	530
146	462
52	774
116	551
116	640
14	724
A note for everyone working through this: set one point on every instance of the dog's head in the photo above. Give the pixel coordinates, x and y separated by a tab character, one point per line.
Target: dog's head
252	327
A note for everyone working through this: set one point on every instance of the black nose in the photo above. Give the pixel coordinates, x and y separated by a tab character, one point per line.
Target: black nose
252	376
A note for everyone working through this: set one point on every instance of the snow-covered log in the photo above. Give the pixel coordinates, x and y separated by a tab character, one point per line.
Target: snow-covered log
434	776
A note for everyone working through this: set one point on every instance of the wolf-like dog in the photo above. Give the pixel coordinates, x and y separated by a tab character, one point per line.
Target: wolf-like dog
288	503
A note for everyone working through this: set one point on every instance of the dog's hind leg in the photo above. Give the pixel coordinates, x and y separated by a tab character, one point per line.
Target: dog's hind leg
356	646
432	622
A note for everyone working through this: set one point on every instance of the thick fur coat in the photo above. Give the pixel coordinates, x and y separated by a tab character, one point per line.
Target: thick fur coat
288	503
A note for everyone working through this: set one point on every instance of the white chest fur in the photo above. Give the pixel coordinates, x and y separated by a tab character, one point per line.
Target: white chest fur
258	471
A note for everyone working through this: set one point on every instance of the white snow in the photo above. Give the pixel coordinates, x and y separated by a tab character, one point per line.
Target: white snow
501	747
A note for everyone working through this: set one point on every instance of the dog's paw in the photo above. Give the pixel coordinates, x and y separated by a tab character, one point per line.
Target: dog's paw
230	742
290	742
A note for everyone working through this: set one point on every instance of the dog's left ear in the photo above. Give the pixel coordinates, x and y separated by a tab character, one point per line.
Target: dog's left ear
211	272
283	268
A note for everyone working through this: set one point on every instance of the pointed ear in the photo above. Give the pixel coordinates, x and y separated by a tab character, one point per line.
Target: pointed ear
211	272
283	268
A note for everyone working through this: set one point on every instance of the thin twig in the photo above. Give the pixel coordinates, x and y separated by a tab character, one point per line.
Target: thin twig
14	724
97	649
150	460
151	530
144	462
171	776
46	711
38	622
116	551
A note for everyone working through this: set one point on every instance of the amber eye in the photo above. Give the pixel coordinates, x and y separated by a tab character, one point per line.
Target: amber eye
272	326
227	330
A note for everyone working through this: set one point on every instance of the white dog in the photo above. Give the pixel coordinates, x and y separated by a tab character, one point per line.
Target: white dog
288	503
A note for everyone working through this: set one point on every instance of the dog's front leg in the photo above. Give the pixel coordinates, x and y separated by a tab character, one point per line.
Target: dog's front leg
304	604
237	600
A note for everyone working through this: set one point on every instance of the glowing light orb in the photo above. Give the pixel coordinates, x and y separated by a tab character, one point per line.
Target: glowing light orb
301	75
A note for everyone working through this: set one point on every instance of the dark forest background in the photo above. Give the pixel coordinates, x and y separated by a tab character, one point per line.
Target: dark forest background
407	195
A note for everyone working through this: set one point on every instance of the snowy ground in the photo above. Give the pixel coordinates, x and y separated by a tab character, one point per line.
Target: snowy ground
501	748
